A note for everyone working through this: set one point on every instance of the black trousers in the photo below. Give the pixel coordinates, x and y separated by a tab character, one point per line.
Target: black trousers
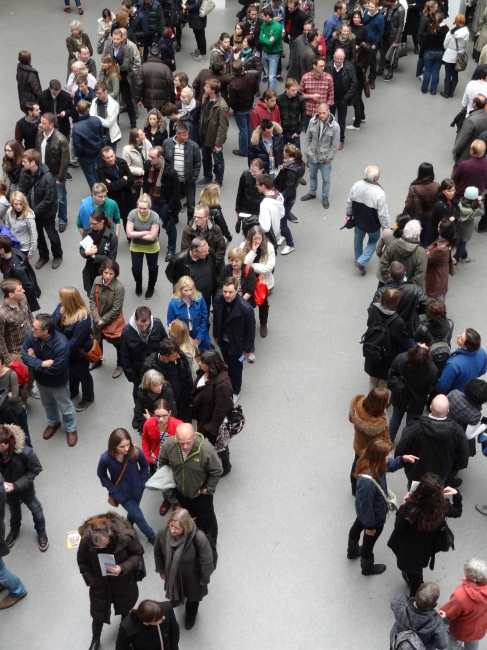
235	367
368	541
353	480
201	508
49	227
126	91
340	108
200	37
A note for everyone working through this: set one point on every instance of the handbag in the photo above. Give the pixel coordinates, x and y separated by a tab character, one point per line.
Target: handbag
261	290
206	8
462	59
140	571
114	329
366	86
161	480
100	46
111	500
444	541
390	498
94	354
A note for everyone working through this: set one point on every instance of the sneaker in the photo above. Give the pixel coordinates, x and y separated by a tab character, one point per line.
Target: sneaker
198	59
82	406
467	260
251	358
281	241
287	249
353	128
204	181
419	77
293	218
68	176
279	78
34	392
264	78
43	543
363	121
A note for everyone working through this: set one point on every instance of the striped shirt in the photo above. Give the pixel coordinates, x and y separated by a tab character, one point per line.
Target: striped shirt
179	159
322	86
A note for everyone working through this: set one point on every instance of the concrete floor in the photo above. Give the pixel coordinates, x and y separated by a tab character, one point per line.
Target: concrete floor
283	580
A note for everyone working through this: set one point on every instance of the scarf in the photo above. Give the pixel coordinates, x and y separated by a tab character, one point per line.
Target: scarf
7	456
157	177
174	551
251	24
343	39
187	108
246	54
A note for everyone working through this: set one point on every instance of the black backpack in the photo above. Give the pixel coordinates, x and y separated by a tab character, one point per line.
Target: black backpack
376	341
214	552
439	349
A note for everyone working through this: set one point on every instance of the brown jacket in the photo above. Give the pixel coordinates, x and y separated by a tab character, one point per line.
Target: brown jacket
217	128
427	194
366	427
438	269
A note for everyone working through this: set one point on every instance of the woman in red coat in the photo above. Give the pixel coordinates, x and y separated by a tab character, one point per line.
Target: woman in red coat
439	260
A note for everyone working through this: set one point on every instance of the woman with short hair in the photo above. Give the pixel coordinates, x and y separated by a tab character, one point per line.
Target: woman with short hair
189	106
20	218
155	128
104	246
422	196
184	560
242	272
152	387
77	38
143	226
150	622
189	306
455	43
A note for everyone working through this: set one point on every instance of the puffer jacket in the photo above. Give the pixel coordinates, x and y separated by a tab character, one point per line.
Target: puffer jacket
154	15
44	201
367	427
24	465
288	179
153	84
410	389
257	148
411	255
324	148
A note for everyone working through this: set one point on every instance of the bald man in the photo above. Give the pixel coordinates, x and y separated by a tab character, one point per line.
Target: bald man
439	443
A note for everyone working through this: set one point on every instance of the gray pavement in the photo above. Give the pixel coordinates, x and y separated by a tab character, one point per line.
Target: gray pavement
283	580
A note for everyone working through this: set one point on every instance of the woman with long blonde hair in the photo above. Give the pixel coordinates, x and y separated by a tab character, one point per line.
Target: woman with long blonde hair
73	319
21	221
210	196
189	306
180	333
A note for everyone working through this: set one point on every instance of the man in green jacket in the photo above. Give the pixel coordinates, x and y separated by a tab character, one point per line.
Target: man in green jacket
271	39
197	469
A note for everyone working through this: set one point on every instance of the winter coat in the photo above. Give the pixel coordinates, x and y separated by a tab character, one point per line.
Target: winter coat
217	126
18	267
429	625
410	389
288	179
324	148
140	27
439	444
4	547
26	132
158	138
263	267
467	611
24	229
413	302
455	42
370	505
294	22
78	334
296	59
182	409
218	54
411	255
415	548
28	84
253	64
56	153
257	148
110	300
144	401
110	122
470	173
261	112
154	15
192	120
118	188
437	331
239	327
179	265
194	19
349	47
151	437
190	576
367	427
461	367
466	220
135	159
132	484
474	125
387	236
398	337
201	79
170	183
349	79
197	311
64	104
88	137
44	201
394	22
153	84
201	469
241	91
214	237
248	198
56	347
167	53
120	590
22	468
134	349
135	635
427	194
442	209
212	402
438	269
107	249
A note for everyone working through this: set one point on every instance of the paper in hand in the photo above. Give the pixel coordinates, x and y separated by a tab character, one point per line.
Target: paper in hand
106	560
86	243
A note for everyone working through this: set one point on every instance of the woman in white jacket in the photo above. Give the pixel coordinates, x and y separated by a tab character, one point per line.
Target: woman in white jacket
455	43
21	221
261	256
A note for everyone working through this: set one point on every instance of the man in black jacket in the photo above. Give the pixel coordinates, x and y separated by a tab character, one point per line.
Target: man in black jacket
88	141
438	442
20	466
14	264
183	155
57	101
171	362
248	196
39	186
267	144
138	23
233	330
199	262
344	87
27	127
140	338
8	580
116	175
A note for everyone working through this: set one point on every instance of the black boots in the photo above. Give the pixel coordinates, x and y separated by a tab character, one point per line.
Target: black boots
353	549
452	88
138	282
263	316
371	569
446	89
225	459
95	641
153	273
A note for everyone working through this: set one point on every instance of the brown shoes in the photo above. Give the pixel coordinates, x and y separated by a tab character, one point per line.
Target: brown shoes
40	263
50	431
11	539
263	330
165	505
340	146
10	601
72	438
117	372
56	262
176	506
82	406
236	152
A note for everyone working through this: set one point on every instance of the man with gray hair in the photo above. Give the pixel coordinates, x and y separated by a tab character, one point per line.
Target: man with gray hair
467	608
367	206
408	251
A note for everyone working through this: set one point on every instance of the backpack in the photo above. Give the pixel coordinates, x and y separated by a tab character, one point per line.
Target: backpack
376	341
407	640
214	552
439	349
21	372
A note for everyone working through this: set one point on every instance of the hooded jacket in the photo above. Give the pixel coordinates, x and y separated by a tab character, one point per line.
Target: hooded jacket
467	611
461	367
153	84
409	388
411	255
367	427
271	212
413	302
41	191
288	179
218	54
261	112
439	444
134	349
368	205
429	625
322	147
257	148
24	465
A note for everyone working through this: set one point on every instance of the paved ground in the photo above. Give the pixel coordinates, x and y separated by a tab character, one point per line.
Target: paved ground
283	580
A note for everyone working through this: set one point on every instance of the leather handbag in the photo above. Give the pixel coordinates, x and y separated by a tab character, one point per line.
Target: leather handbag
111	500
114	329
462	59
207	7
261	290
94	354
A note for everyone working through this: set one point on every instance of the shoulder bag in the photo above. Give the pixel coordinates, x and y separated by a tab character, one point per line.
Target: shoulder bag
94	354
206	8
111	500
390	498
162	479
261	290
114	329
462	59
444	541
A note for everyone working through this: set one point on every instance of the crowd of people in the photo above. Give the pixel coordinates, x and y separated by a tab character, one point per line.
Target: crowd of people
186	368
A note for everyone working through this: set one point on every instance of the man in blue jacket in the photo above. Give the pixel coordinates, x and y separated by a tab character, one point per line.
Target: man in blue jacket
332	23
88	141
233	330
47	351
374	21
469	362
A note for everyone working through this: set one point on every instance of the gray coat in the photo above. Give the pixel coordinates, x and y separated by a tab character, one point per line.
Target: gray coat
192	158
296	61
322	149
473	126
193	590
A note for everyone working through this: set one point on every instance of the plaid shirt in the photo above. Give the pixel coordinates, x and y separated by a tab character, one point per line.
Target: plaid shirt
323	86
463	411
14	325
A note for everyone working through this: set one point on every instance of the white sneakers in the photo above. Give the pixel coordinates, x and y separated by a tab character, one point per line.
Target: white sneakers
287	249
251	358
353	128
281	241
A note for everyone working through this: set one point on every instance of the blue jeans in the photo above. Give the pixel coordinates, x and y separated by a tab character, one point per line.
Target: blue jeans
396	419
207	153
325	170
420	66
456	644
270	61
62	213
461	252
432	65
9	580
285	232
363	256
15	501
136	516
88	167
167	223
242	120
56	399
289	139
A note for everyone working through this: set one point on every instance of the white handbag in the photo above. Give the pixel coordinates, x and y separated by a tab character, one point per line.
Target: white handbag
390	498
206	8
